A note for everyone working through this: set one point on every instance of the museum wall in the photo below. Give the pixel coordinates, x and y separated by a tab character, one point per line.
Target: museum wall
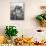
26	26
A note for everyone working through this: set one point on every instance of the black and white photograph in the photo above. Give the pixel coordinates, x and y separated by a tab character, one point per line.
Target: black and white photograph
16	11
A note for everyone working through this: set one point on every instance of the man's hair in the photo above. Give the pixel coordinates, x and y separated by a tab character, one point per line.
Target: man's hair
42	7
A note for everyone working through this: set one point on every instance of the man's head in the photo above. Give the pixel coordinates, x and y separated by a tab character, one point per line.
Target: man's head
43	8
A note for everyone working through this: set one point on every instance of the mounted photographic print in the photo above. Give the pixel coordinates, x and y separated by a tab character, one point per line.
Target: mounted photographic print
17	11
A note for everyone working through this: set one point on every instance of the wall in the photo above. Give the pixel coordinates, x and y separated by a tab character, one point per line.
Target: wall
29	24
